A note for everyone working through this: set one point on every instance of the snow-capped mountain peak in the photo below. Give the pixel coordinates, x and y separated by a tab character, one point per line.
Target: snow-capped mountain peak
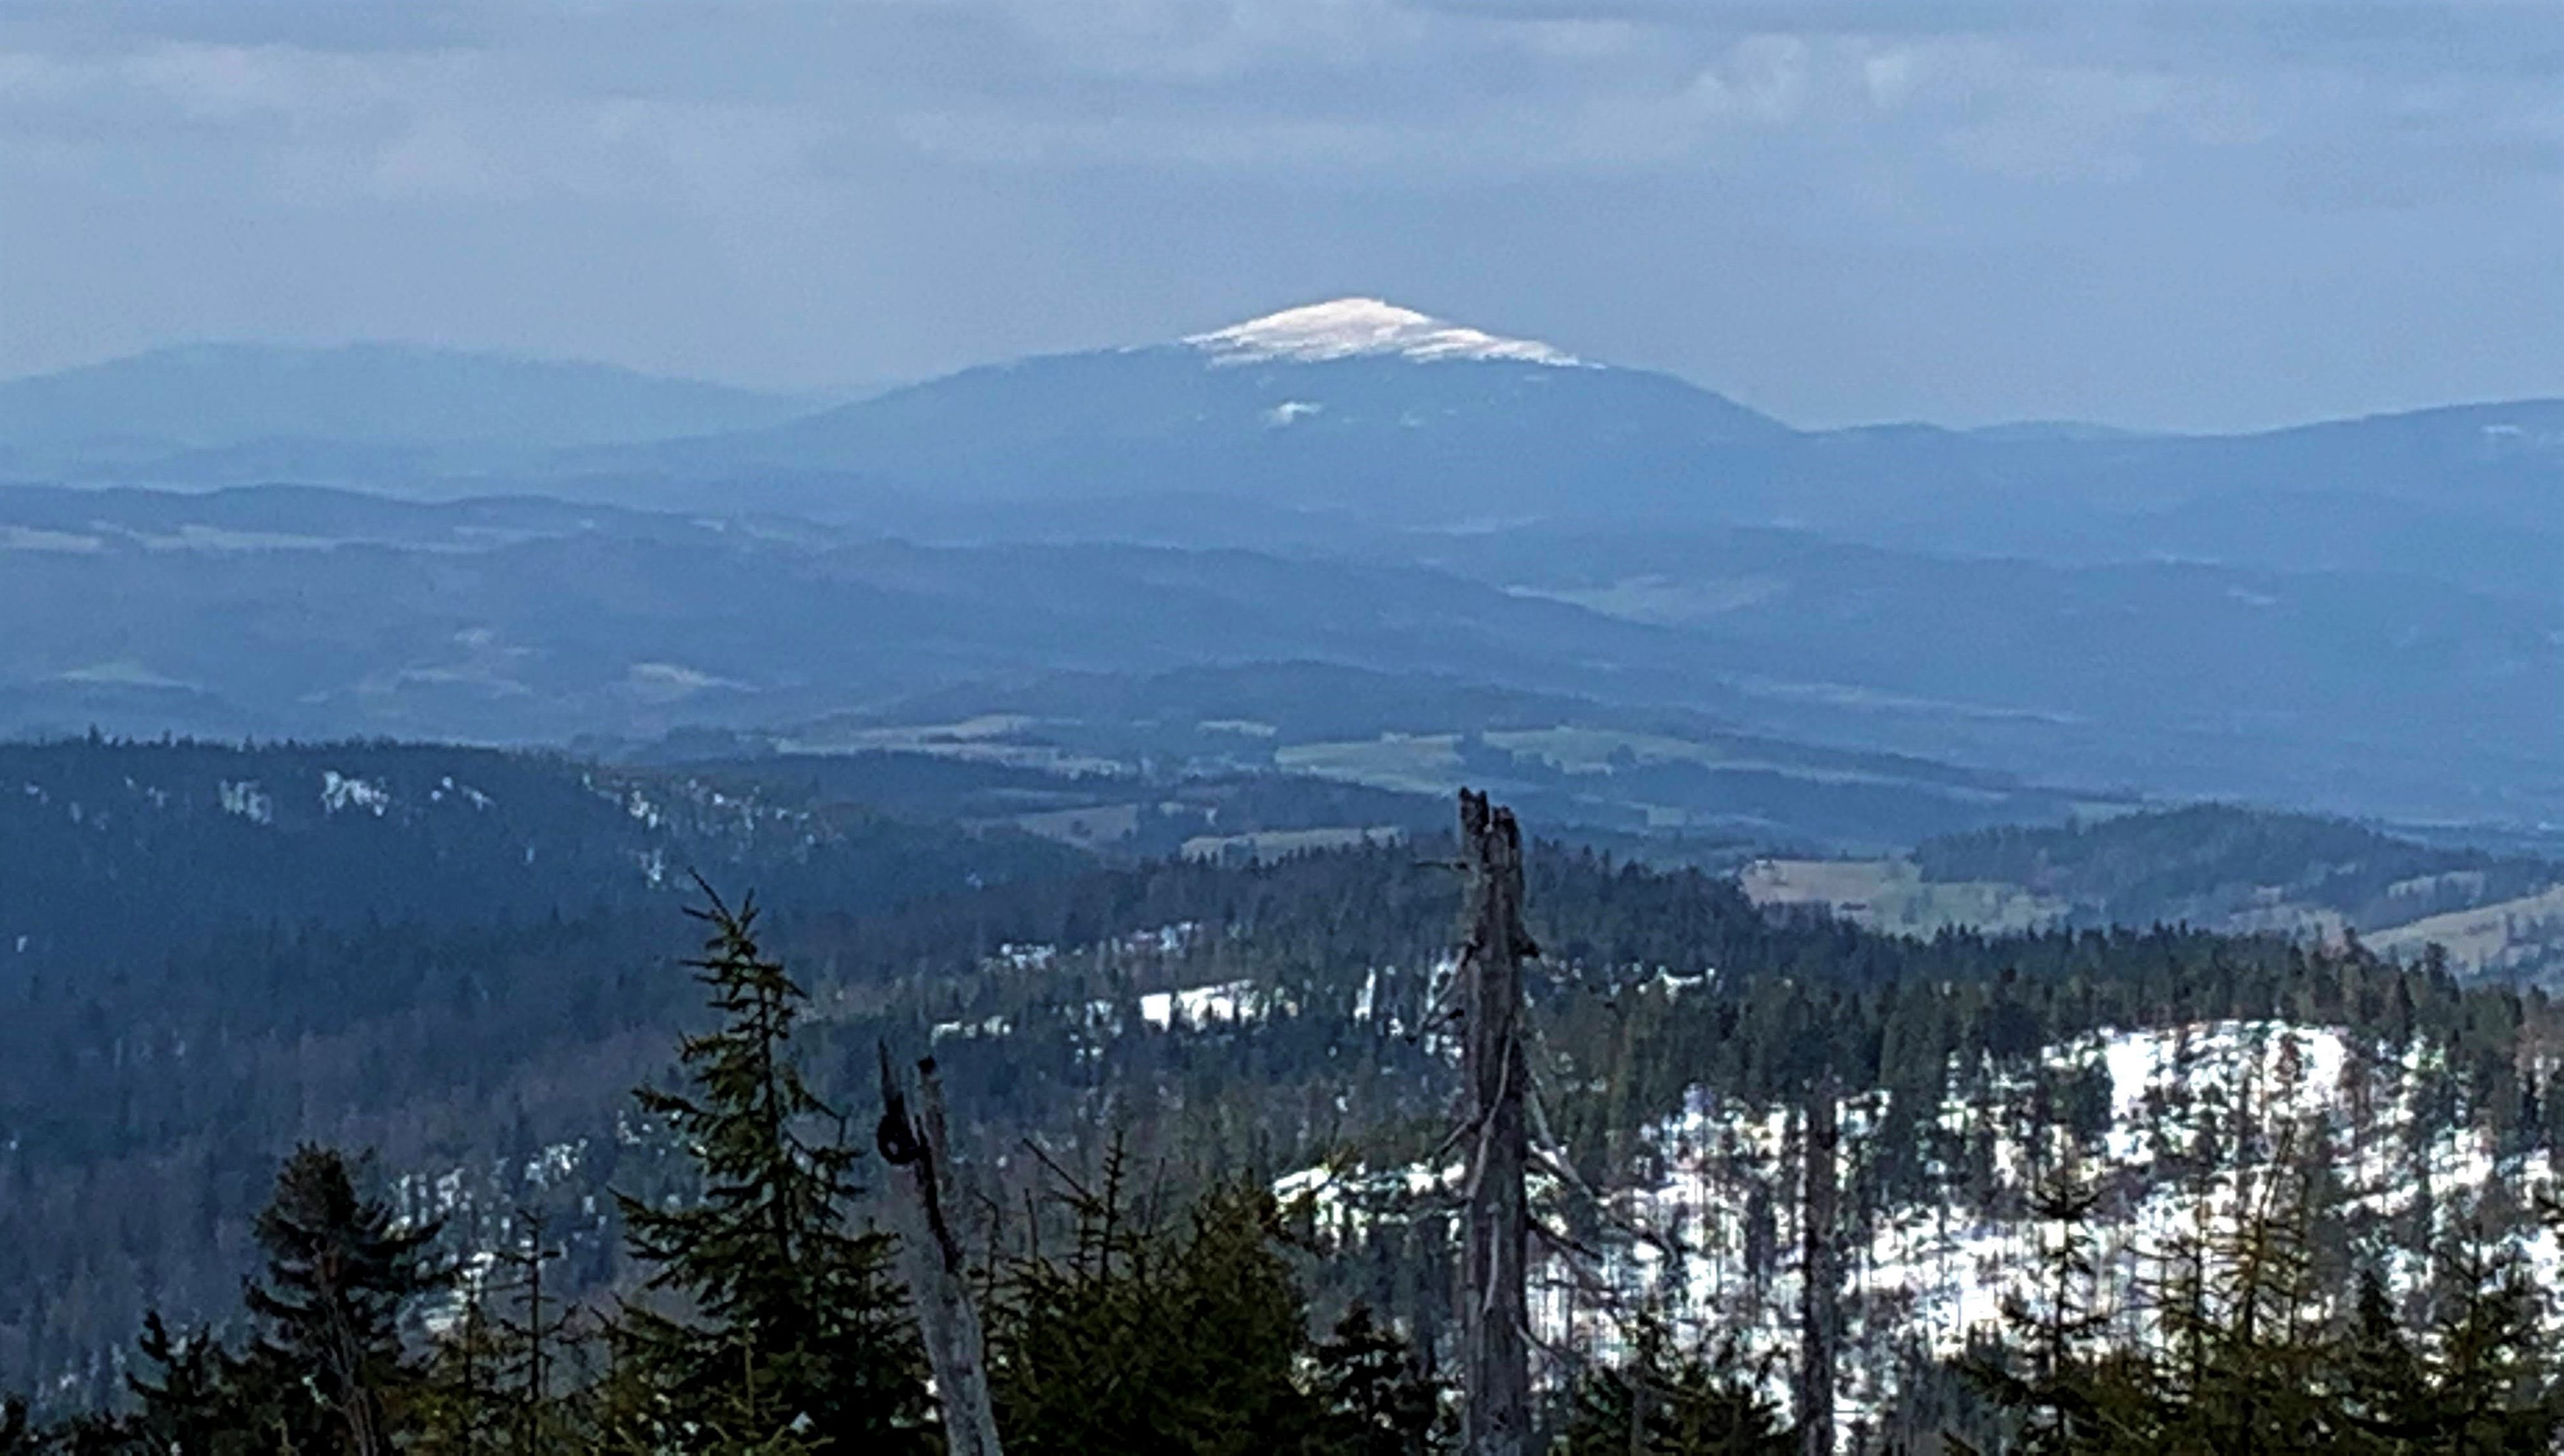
1346	329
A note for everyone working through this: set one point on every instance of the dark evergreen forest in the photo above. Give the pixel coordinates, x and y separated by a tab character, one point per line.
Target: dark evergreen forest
376	1053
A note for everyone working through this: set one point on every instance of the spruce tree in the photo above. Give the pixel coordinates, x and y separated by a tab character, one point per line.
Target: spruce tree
2050	1382
459	1406
1151	1341
786	1330
2387	1389
1663	1400
529	1334
1375	1394
495	1384
190	1402
342	1270
2495	1387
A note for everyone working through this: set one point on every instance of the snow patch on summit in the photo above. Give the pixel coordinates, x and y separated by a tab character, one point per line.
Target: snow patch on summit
1348	329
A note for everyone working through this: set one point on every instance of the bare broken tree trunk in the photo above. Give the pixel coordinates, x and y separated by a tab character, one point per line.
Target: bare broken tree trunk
1495	1315
947	1319
1820	1273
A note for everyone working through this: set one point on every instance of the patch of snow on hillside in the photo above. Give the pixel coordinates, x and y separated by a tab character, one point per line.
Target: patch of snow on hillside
1229	1003
486	1207
1704	1231
1945	1267
465	791
1026	957
1345	328
338	791
992	1026
247	801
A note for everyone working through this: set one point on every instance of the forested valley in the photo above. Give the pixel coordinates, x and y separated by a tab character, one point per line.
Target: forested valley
495	1149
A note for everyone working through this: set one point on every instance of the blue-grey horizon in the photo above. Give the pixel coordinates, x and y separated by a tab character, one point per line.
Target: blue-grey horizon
2183	214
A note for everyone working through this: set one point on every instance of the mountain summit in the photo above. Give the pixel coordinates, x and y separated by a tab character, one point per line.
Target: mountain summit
1344	328
1353	404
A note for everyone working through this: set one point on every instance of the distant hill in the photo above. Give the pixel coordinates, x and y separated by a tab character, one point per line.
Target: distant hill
2224	865
1668	780
1354	402
1388	416
276	401
2218	866
300	612
110	845
1351	419
1346	424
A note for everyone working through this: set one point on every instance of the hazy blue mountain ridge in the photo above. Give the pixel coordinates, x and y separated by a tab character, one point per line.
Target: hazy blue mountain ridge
320	613
2361	616
218	397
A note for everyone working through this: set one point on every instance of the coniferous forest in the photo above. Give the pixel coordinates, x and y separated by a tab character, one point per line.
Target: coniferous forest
595	1175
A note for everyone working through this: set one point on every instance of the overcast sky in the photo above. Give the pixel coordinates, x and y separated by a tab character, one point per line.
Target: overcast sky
2187	213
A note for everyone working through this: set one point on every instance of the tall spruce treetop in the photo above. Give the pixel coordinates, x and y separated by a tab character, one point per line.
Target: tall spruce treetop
1155	1338
790	1335
1663	1398
340	1269
193	1403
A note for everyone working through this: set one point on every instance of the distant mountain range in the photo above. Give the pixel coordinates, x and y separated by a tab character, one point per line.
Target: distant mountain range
2363	616
1361	410
241	410
300	611
1337	418
1353	405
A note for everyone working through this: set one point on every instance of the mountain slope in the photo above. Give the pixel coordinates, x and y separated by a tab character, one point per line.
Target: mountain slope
1320	424
1388	416
112	846
1353	404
